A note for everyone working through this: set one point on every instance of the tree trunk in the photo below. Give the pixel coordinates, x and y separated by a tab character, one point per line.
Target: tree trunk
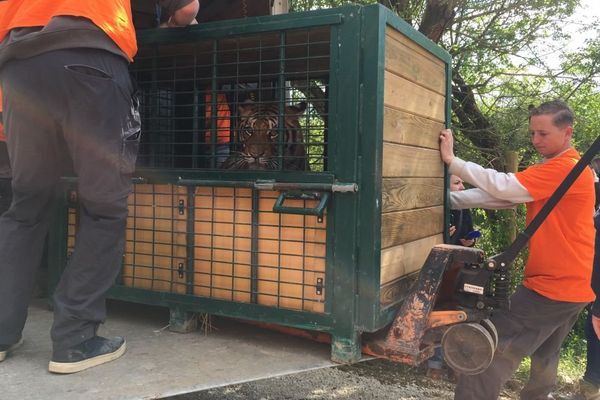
438	16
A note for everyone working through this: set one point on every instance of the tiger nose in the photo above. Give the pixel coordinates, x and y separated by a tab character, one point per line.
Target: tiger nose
257	153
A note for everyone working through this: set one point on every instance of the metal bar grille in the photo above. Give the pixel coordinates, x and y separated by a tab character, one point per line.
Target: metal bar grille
256	102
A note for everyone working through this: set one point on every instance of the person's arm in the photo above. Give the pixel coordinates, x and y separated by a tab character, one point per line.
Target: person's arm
498	185
477	198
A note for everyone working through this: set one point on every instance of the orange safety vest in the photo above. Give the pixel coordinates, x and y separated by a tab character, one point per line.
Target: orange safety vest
223	118
113	17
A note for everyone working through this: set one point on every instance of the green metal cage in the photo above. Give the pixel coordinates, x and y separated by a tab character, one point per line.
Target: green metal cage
331	232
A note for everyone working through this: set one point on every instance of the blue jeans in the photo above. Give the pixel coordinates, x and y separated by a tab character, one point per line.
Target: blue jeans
592	371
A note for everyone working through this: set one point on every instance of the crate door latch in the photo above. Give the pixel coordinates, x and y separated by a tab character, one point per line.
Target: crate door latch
323	198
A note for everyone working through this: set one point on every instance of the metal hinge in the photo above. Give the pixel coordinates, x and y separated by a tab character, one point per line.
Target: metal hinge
180	270
181	207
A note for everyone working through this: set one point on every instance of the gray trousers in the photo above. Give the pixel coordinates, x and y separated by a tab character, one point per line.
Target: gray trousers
534	326
66	108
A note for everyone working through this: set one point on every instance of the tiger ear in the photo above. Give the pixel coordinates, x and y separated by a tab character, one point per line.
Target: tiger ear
296	109
246	108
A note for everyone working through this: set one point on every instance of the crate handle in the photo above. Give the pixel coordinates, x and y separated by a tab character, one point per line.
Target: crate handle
318	210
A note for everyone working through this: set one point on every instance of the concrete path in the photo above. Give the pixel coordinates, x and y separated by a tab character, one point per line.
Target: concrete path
158	363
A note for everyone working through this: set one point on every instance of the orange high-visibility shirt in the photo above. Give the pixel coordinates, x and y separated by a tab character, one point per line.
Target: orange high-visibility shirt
113	17
223	118
561	251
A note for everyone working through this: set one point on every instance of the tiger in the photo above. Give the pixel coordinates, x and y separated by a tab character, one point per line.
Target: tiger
257	132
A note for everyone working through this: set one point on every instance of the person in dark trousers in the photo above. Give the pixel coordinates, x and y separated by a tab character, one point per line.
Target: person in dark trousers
67	100
556	282
589	386
5	190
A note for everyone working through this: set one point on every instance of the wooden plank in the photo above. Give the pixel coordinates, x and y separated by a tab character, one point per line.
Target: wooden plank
396	291
404	259
399	194
407	161
296	296
414	47
404	128
406	226
401	59
405	95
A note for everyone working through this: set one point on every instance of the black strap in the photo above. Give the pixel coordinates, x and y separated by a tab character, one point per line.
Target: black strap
508	256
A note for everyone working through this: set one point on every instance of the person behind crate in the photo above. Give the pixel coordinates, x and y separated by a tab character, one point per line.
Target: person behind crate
461	221
461	224
67	98
222	123
556	284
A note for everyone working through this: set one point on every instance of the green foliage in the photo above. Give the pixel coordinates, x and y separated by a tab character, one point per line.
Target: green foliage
306	5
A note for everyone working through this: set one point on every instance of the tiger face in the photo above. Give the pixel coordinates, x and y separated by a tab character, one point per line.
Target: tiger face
258	133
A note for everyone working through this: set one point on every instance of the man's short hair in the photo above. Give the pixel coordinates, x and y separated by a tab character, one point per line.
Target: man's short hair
563	115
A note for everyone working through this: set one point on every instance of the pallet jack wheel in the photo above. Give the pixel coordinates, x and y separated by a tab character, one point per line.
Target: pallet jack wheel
491	328
468	348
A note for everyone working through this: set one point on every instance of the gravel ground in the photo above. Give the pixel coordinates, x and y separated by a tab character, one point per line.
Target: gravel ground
369	380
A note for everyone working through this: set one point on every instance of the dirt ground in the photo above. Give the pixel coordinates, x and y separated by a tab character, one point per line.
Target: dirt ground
368	380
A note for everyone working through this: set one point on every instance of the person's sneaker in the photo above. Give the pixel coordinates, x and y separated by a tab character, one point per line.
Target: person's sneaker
94	351
589	391
5	349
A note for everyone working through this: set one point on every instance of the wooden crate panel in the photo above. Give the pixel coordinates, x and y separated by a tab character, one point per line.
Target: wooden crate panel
407	258
293	295
289	249
155	252
399	194
406	59
405	95
405	128
406	226
222	246
407	161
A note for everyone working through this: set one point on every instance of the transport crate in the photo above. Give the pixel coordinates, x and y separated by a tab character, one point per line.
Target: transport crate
320	215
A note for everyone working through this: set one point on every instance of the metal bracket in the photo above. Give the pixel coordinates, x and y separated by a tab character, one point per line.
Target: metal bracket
319	286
